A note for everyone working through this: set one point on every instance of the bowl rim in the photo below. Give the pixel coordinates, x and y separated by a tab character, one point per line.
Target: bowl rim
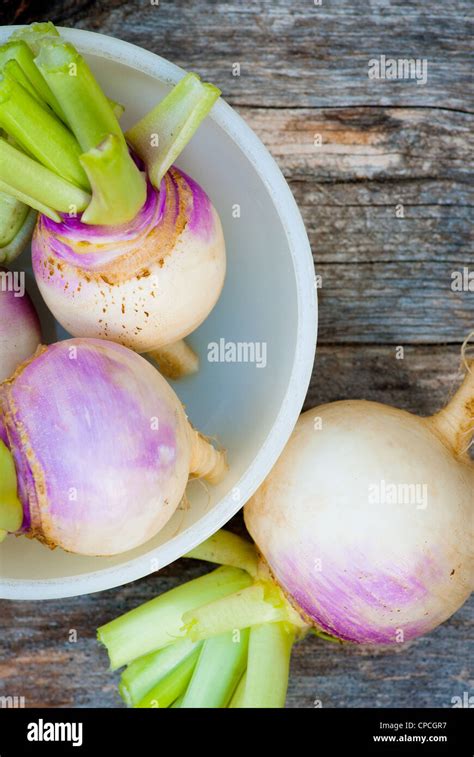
226	118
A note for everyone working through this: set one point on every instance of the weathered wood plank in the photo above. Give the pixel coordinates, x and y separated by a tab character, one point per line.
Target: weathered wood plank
366	193
385	278
420	379
290	53
369	143
393	303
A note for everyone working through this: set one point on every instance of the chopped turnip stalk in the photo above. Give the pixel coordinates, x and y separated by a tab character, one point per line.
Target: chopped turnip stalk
12	217
108	174
35	33
88	111
93	121
40	133
118	108
20	52
172	685
175	360
14	70
11	511
268	665
219	668
31	183
17	244
259	603
164	132
158	623
144	673
226	548
238	696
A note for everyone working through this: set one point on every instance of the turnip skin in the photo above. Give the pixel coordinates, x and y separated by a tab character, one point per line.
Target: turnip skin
361	571
102	446
20	332
145	285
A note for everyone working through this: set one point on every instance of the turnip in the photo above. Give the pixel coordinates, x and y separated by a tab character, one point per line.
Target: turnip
20	332
96	450
363	533
126	247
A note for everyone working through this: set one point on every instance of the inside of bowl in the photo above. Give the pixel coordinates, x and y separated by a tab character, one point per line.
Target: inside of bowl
235	402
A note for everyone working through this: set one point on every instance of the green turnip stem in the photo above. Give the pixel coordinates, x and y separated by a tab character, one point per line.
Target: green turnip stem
225	548
146	672
10	251
37	186
14	70
11	511
118	186
158	622
19	51
111	172
164	132
40	133
220	666
177	702
35	33
166	691
455	422
88	112
238	695
256	604
268	665
175	360
12	217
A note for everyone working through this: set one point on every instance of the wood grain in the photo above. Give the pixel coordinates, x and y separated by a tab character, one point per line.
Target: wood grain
352	150
292	53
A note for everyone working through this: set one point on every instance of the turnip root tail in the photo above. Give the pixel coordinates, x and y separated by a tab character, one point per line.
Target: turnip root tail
206	461
176	360
455	423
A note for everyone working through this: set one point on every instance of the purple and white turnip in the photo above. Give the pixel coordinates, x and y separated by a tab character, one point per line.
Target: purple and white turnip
98	448
126	247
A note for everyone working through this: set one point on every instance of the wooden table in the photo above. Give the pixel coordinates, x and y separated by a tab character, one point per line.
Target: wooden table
380	170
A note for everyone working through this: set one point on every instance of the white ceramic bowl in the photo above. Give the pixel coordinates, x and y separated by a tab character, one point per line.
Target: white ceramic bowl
269	297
